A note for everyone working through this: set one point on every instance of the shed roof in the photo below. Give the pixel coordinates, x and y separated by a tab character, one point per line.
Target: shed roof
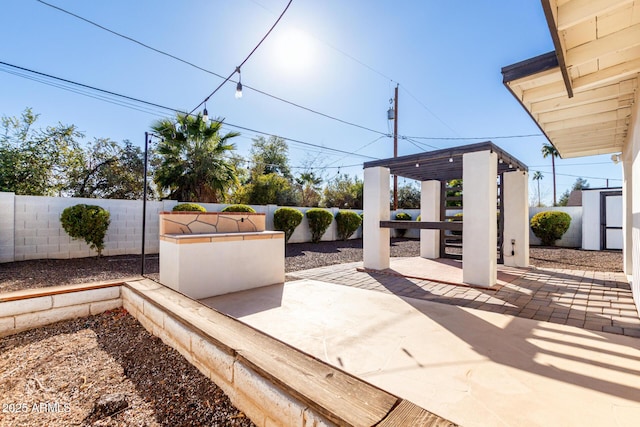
445	164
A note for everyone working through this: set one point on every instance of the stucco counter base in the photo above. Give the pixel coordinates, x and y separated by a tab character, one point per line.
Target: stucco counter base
205	265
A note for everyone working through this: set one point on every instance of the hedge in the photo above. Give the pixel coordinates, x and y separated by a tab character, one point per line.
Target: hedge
287	219
88	222
188	207
549	226
239	208
348	222
319	221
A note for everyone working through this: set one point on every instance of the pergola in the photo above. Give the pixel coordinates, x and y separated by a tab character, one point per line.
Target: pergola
479	166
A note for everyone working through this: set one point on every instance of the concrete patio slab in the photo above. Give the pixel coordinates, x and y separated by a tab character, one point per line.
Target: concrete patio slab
474	367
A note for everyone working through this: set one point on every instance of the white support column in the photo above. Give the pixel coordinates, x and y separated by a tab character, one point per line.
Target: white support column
516	219
375	240
430	211
480	229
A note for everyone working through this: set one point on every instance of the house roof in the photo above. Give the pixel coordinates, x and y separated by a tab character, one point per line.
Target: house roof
582	99
445	164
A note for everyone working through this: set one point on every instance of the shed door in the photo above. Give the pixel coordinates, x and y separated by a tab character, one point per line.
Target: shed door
611	220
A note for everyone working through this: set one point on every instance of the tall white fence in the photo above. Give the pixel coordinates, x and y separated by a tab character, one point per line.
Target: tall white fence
30	227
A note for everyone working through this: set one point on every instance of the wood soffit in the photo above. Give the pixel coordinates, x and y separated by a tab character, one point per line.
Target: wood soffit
581	95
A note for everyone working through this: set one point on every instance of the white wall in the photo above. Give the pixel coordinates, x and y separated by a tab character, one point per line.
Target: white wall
573	237
30	227
631	155
37	233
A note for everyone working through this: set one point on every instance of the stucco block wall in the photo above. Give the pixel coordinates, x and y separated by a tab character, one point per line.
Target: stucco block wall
573	237
30	227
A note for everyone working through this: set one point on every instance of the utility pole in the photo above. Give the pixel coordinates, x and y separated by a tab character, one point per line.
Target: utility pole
395	148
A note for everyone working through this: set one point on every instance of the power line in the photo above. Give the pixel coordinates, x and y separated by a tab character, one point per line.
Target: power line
173	110
237	70
131	39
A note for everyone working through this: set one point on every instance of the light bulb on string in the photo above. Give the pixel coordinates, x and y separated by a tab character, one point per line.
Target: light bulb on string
239	85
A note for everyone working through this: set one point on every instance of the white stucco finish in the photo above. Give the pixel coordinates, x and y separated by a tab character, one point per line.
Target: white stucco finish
631	154
627	217
479	234
516	219
430	211
375	239
202	270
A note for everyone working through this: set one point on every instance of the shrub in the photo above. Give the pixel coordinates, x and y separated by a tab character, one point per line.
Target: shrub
419	218
402	216
549	226
319	221
239	208
347	222
287	219
188	207
456	218
86	222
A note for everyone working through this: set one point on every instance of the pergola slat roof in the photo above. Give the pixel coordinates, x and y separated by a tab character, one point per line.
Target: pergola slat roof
445	164
581	94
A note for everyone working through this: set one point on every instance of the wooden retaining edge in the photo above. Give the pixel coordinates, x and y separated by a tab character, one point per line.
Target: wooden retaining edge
61	289
338	396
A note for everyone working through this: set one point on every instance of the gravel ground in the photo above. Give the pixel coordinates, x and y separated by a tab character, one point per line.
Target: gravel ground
299	256
55	375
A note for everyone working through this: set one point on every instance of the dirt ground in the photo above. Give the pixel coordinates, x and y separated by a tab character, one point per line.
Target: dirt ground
55	375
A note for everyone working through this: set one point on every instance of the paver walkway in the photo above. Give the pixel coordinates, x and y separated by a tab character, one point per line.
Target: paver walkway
599	301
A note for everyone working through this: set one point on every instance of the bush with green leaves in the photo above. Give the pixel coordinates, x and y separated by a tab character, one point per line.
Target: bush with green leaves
402	216
319	221
239	208
549	226
188	207
348	222
88	222
456	218
287	219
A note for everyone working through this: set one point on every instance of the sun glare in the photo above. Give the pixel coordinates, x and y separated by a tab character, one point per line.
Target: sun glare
293	51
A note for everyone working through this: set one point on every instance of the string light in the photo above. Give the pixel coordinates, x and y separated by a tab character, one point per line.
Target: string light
239	85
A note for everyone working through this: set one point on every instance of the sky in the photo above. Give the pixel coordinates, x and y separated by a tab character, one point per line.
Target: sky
338	58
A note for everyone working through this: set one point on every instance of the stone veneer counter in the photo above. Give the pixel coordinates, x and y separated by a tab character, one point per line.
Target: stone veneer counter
210	222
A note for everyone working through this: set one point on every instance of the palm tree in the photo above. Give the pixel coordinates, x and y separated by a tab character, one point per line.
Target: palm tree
550	150
191	163
537	176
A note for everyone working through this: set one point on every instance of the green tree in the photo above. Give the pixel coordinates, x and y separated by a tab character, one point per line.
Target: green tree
343	192
454	186
580	184
270	156
549	150
309	184
270	189
537	176
192	164
35	161
270	180
408	197
108	170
